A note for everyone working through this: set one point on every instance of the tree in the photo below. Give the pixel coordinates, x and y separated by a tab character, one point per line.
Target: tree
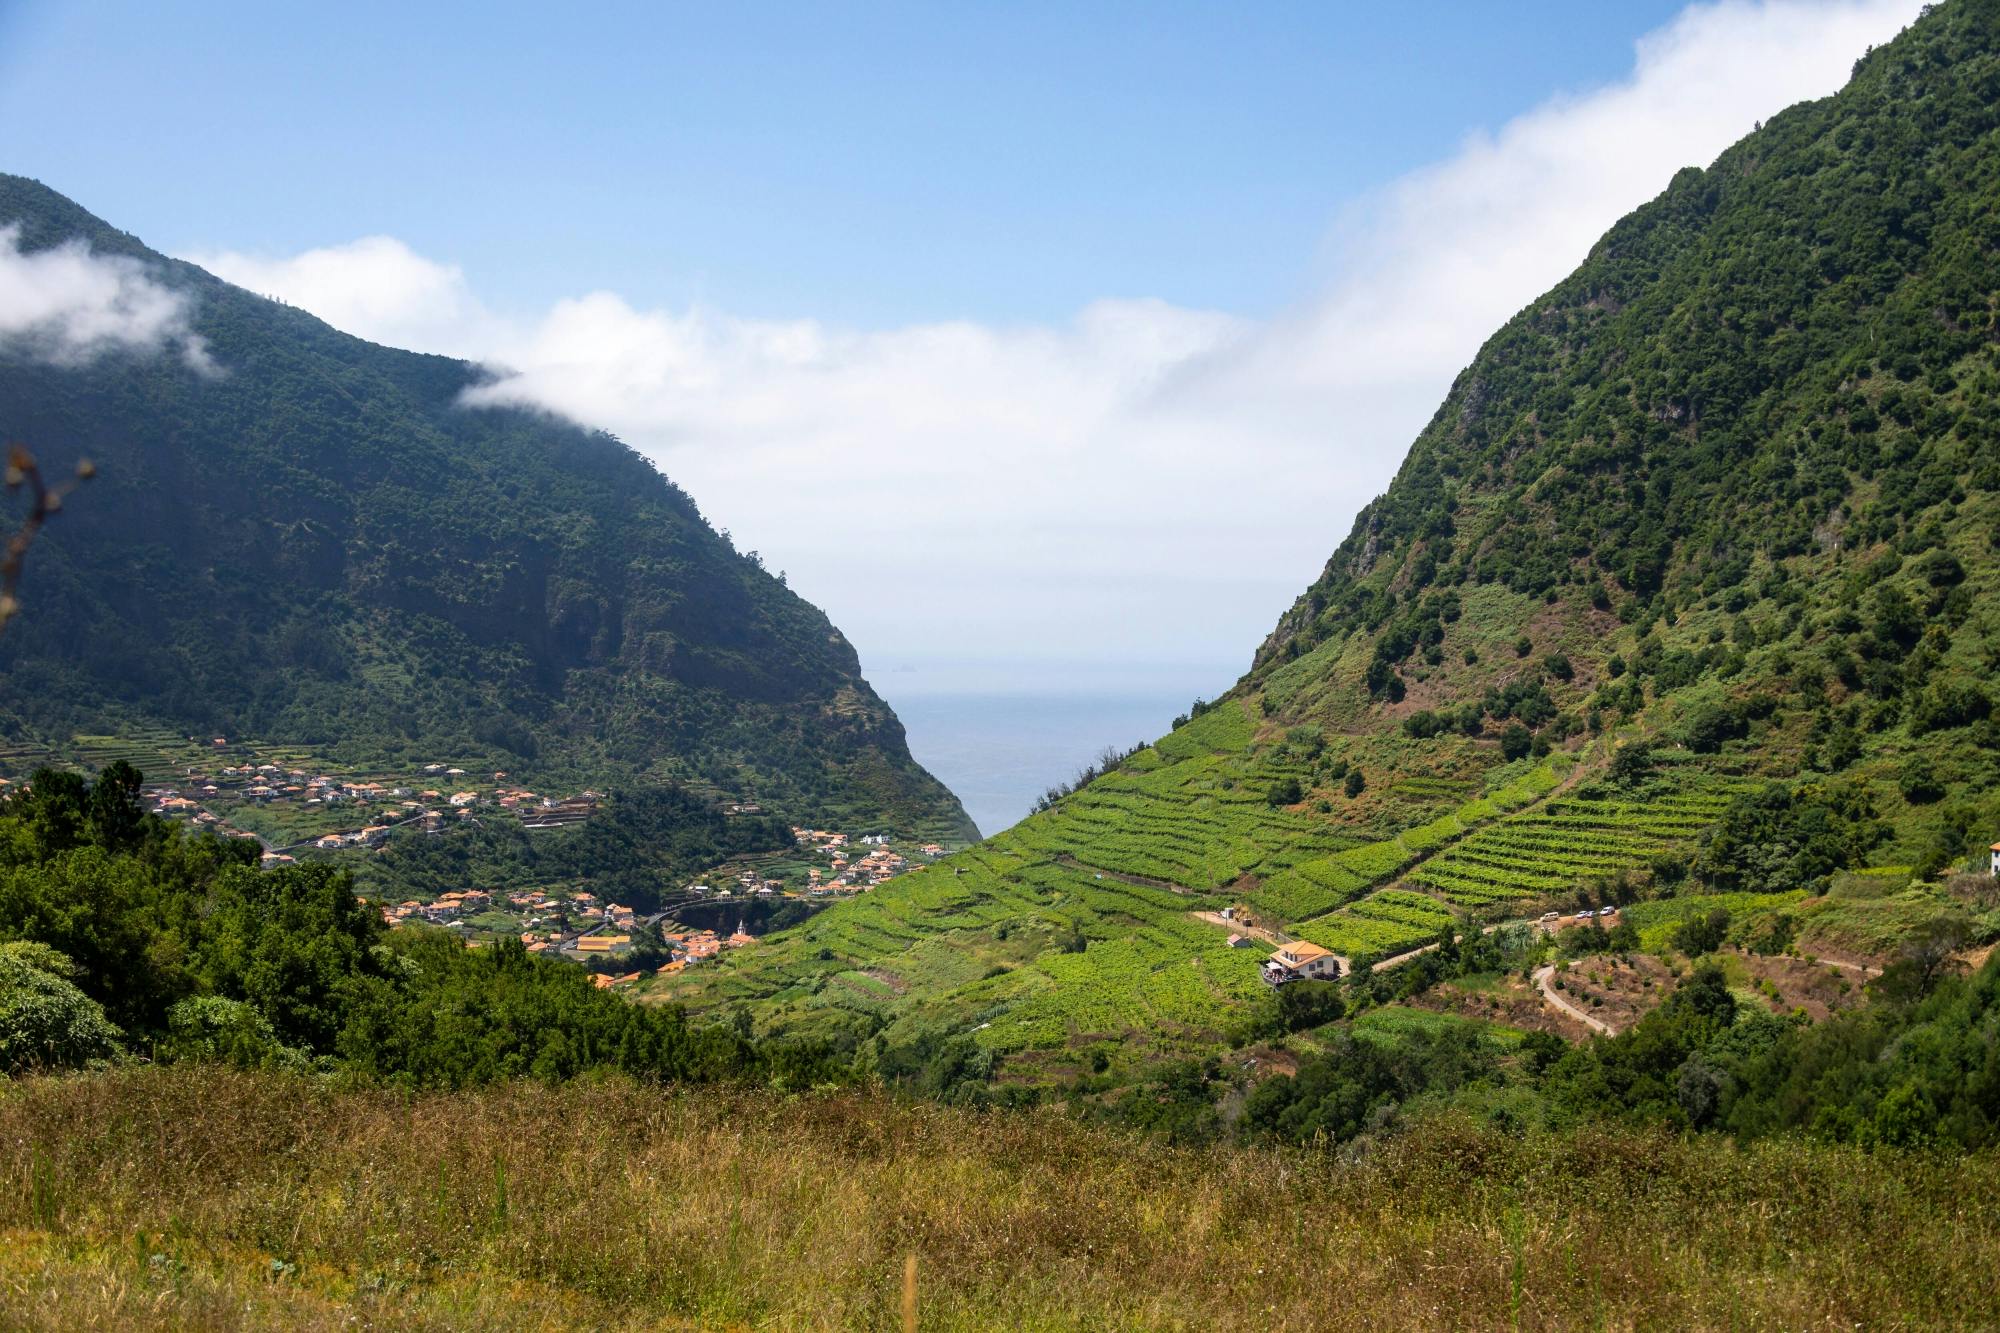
1710	726
1926	958
1309	1004
1516	741
1949	704
46	1023
1703	934
1898	621
1777	838
1285	791
1918	781
232	1032
1355	783
1632	764
115	813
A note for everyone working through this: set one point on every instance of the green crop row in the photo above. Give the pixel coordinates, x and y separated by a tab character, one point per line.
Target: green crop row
1381	925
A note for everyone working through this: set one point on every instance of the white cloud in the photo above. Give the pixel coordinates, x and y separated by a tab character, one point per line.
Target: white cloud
1143	483
68	305
376	287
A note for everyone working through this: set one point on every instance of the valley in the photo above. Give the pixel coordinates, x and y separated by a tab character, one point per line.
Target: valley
444	881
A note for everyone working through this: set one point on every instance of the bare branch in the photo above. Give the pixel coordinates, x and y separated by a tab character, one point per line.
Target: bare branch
23	471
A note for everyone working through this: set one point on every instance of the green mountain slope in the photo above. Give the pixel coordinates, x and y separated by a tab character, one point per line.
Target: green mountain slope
318	546
1720	510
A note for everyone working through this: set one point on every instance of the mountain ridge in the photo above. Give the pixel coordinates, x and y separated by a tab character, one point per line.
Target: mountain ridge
322	544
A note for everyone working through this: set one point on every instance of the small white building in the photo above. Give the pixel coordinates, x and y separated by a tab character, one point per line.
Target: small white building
1301	960
1995	867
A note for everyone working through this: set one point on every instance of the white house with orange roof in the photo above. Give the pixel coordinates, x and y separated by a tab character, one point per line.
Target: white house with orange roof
1301	960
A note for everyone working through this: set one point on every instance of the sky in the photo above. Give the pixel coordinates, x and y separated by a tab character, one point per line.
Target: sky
1045	346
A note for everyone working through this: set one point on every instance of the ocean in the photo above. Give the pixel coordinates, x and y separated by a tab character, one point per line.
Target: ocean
999	751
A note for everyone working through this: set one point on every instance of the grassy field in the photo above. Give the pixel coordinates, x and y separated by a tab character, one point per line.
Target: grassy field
191	1198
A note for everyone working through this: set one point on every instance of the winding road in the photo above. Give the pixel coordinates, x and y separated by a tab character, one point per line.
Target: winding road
1545	980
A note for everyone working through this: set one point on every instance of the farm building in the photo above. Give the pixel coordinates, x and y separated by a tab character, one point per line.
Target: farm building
1301	960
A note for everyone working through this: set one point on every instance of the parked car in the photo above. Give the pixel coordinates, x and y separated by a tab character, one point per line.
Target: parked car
1584	915
1552	916
1607	911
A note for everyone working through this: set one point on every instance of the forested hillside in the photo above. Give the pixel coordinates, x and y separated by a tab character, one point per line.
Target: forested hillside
317	545
1682	605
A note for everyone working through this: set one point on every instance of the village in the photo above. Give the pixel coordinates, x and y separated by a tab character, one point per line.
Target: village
292	811
296	813
622	947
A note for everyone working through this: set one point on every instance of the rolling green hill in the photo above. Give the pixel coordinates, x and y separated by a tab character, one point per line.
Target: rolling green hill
1689	587
319	547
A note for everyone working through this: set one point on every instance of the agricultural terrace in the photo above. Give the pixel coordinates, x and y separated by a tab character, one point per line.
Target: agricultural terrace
1550	849
1081	922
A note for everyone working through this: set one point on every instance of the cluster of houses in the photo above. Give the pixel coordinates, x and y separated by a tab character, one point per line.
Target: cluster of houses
176	806
688	948
750	884
865	873
577	928
848	872
544	812
446	910
393	805
371	835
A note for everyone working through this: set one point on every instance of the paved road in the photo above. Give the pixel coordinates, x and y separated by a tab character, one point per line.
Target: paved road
1545	979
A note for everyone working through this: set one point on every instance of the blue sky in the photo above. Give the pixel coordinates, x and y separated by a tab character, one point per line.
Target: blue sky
867	164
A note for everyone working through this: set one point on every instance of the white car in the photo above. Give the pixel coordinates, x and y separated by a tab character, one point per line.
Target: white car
1584	915
1552	916
1607	911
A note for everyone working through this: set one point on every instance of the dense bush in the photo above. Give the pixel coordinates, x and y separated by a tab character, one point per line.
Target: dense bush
1309	1004
46	1023
1780	838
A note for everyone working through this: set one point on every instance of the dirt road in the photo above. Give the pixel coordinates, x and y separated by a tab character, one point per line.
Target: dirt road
1545	980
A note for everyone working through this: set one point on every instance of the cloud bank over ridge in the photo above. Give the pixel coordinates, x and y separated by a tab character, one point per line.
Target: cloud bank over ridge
69	305
1142	482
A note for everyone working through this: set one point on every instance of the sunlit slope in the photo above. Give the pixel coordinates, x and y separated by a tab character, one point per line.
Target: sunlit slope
1718	511
1096	922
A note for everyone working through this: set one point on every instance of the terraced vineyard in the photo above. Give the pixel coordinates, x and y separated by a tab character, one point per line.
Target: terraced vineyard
1191	811
1524	850
1313	887
1554	848
154	751
1135	825
159	753
1383	924
1079	924
1165	977
1030	952
23	757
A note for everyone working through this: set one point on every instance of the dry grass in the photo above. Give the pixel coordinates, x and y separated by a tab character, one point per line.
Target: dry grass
189	1198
